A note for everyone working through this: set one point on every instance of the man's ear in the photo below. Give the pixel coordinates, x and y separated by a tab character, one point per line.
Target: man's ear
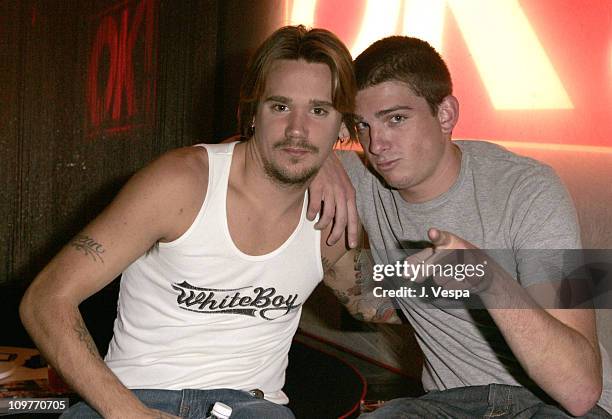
448	114
344	137
344	132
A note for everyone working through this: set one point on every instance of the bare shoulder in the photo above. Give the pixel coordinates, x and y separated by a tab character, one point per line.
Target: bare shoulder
179	179
179	173
179	166
157	204
170	190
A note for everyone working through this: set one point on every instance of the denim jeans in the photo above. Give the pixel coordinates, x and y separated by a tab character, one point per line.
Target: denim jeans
196	404
491	401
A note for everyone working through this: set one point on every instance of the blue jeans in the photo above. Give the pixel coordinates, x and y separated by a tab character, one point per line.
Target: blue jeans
196	404
492	401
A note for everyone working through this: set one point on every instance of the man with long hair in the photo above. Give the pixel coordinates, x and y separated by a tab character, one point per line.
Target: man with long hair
215	250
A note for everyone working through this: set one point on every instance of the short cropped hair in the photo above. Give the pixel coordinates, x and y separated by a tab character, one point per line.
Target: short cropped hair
294	43
409	60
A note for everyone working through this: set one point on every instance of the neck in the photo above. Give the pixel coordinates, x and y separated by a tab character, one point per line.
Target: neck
444	176
253	181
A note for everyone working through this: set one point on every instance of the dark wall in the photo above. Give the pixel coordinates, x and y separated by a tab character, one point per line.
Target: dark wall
65	166
243	26
92	90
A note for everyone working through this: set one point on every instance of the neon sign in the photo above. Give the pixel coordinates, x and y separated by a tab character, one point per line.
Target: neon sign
122	55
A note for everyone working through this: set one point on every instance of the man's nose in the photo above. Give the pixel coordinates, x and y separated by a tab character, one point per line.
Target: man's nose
297	125
378	142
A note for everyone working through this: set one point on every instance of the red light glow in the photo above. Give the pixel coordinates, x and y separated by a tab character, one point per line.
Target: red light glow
535	71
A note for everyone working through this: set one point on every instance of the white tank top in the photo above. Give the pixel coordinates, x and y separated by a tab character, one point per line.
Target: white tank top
198	313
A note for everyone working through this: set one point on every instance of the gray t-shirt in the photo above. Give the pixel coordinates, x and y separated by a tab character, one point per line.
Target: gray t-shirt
500	201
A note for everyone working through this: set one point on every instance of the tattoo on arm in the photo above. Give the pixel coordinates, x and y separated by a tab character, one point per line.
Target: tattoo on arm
330	276
88	247
85	337
358	297
386	313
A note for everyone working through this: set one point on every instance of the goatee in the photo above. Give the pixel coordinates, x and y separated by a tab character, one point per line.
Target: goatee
284	176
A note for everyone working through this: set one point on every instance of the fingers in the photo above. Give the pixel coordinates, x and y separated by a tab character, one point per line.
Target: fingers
439	238
353	223
345	218
328	210
333	196
445	240
415	264
346	208
340	220
315	198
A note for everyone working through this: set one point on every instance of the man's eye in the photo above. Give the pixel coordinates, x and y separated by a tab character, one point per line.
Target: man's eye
362	126
277	107
320	111
397	119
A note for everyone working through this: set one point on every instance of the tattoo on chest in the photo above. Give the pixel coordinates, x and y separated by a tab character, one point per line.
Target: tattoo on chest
89	247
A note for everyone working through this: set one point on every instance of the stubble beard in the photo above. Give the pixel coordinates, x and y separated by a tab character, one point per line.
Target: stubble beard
284	177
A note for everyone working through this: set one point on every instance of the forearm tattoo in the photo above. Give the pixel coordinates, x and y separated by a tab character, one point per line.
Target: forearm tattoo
329	277
358	297
88	247
386	313
84	336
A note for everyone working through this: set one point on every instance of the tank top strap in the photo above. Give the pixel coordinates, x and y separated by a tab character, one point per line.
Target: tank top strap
219	165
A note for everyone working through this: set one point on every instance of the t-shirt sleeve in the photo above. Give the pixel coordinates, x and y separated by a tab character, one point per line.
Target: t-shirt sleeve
545	228
354	166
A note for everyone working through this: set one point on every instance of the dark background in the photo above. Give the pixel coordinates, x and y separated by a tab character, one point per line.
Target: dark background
179	63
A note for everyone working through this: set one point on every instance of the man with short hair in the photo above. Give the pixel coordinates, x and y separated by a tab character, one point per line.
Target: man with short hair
216	253
423	190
